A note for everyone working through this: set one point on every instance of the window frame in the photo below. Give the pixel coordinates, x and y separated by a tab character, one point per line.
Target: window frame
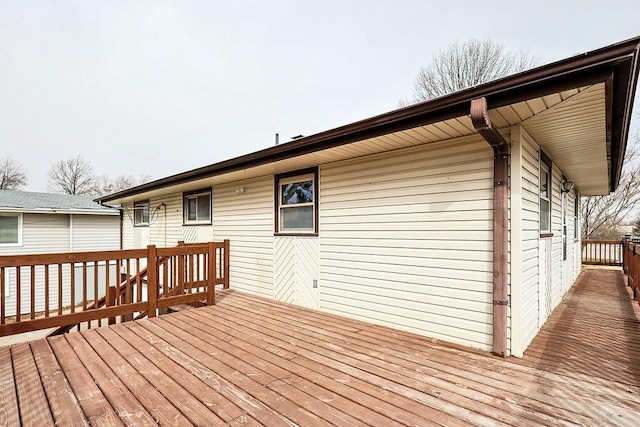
576	217
185	207
20	229
295	176
142	204
545	162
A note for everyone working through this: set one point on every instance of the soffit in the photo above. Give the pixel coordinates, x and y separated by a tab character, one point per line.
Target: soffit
562	123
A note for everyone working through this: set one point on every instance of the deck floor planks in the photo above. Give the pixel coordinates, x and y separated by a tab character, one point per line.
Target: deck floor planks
275	364
34	407
331	407
161	408
190	345
545	403
201	404
94	404
250	395
420	376
9	410
62	402
125	403
402	399
323	387
416	377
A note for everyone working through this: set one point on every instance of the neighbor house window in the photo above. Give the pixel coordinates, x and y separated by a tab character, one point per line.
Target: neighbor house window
141	213
545	195
10	229
197	207
297	202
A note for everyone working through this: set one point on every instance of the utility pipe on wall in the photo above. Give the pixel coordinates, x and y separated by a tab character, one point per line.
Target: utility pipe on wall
484	126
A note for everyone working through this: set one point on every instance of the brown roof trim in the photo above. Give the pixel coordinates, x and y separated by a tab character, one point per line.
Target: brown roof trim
619	60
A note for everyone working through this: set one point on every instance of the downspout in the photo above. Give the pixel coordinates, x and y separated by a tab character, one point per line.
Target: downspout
482	123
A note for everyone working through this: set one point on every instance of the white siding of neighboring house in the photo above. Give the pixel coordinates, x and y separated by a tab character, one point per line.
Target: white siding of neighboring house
51	233
406	240
95	232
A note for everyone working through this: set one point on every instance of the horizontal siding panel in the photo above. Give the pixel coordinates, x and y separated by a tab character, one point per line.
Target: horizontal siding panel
95	232
406	240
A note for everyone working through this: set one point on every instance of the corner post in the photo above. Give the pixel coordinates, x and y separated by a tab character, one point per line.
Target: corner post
226	263
152	280
211	279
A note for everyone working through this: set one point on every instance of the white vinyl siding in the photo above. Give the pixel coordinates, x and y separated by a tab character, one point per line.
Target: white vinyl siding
51	233
95	233
406	240
246	219
529	239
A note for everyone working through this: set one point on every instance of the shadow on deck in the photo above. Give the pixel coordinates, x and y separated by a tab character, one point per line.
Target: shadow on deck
594	333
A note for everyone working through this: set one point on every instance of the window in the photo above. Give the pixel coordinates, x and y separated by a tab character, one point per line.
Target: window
576	206
11	229
545	194
197	207
141	213
296	203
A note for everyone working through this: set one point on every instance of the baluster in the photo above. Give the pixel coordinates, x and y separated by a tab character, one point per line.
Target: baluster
18	296
46	290
33	291
2	296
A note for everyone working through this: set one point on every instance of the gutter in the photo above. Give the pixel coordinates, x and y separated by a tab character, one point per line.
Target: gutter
484	126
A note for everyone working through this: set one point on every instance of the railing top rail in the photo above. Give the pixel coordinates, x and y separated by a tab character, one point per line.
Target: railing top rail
612	242
69	257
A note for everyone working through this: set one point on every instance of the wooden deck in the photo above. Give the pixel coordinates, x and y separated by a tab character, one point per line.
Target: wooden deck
253	361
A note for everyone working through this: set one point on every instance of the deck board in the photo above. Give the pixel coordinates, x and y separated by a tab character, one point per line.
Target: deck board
254	361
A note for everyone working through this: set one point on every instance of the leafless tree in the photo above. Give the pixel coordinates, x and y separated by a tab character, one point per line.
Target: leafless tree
12	174
464	65
72	176
603	215
107	185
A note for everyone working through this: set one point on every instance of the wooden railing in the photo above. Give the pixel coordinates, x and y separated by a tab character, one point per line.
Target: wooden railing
602	252
61	290
631	266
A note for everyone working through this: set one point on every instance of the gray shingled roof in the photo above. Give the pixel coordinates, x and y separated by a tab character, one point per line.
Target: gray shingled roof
29	201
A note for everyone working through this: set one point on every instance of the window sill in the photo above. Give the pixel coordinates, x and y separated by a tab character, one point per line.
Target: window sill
545	235
295	234
196	224
141	225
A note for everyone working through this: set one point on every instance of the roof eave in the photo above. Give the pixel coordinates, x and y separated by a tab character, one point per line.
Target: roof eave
589	68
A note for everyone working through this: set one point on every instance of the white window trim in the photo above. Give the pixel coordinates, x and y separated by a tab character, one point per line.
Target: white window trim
20	230
549	198
288	180
138	204
185	208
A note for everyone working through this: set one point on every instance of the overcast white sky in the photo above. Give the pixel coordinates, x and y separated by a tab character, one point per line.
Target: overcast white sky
160	87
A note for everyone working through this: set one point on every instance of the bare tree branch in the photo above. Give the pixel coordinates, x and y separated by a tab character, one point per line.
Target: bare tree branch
72	176
12	174
465	65
603	215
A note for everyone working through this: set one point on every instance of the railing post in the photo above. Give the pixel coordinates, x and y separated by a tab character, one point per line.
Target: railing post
152	280
226	263
211	279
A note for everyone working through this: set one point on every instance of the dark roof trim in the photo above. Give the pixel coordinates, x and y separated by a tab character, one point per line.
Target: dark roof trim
620	59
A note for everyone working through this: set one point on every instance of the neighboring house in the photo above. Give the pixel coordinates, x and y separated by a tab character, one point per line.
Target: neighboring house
35	223
406	219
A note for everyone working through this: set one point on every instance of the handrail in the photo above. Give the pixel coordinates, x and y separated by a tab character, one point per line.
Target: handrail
631	266
602	252
62	290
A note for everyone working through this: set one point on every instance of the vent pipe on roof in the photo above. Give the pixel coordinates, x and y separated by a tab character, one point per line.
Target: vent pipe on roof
277	138
484	126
